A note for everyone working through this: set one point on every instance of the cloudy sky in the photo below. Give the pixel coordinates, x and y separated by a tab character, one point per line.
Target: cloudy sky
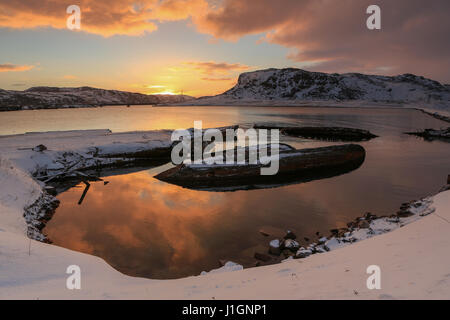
199	47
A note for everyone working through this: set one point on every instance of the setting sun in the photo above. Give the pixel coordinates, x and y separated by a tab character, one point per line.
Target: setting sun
167	92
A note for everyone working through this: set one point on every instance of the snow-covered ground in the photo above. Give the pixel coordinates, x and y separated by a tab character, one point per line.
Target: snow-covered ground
85	146
414	258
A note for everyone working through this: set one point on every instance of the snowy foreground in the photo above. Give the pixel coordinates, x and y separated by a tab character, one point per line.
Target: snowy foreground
414	257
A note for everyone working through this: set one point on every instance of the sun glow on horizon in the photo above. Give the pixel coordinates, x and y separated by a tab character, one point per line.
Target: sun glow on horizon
167	93
160	90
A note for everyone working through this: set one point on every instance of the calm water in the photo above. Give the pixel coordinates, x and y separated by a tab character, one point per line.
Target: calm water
145	227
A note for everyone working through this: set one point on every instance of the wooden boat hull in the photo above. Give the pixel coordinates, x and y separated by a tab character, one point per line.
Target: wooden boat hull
295	166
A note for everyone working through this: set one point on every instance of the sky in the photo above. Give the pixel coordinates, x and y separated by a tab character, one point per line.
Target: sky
199	47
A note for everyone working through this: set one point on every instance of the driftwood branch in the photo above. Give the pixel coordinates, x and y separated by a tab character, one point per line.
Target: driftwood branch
88	185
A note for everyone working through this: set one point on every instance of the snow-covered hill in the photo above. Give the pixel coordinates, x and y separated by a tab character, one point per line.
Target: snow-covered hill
52	97
290	86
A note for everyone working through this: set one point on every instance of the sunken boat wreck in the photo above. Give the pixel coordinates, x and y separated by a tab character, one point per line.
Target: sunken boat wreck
432	134
322	133
295	166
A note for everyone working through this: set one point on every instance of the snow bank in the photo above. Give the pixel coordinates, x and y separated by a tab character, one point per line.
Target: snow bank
18	190
413	259
227	267
77	149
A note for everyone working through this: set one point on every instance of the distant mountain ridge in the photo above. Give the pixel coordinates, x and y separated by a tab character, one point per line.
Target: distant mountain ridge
289	86
292	86
54	97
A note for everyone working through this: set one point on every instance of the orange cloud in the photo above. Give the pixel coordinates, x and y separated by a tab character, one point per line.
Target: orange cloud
171	10
211	67
236	18
103	17
325	35
217	79
69	77
8	67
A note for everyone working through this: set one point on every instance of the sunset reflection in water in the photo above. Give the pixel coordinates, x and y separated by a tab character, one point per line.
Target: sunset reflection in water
145	227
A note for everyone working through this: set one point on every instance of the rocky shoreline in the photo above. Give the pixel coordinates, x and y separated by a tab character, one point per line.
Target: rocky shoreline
280	249
290	246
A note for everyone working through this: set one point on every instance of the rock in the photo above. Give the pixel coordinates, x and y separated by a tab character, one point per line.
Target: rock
417	204
404	213
364	224
288	258
332	244
320	249
50	190
303	253
342	232
287	253
39	225
291	244
290	235
222	262
229	266
323	240
270	231
48	215
334	231
40	148
404	206
275	247
393	219
369	216
262	257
